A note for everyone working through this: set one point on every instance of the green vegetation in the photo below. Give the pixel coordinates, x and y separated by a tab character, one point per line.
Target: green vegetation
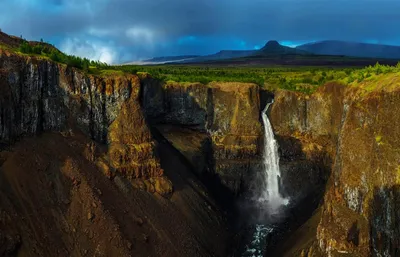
303	79
54	54
378	139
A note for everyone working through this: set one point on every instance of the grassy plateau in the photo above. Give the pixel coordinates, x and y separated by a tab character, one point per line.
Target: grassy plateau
297	78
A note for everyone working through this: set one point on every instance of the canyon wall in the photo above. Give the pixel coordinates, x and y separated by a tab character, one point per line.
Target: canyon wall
39	96
307	127
216	127
82	174
356	131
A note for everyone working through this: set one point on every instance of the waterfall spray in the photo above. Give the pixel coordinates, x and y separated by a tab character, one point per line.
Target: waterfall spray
270	194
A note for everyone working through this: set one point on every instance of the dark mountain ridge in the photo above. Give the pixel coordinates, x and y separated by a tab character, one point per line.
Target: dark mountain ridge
273	47
221	55
327	48
355	49
171	58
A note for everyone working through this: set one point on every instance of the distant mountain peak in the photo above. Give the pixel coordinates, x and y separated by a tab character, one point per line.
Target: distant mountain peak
272	43
273	47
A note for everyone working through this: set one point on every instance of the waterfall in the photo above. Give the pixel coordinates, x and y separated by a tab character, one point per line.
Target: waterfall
269	201
270	193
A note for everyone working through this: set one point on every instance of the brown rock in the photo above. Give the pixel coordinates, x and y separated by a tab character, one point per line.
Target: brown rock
129	245
139	221
105	168
99	191
90	216
162	186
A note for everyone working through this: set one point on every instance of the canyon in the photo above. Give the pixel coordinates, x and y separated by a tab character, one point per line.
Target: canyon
128	165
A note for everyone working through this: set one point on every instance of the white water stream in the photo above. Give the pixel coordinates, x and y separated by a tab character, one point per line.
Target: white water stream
270	198
270	194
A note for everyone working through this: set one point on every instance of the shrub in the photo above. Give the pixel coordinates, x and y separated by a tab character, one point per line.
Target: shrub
307	80
360	77
37	49
25	48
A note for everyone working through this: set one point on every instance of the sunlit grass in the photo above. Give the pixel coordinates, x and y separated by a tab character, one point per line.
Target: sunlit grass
303	79
105	72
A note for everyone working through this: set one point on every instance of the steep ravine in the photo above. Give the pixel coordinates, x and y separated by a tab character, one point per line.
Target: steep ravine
123	165
346	135
218	129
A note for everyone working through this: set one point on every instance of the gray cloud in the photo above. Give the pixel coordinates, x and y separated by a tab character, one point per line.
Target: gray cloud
122	30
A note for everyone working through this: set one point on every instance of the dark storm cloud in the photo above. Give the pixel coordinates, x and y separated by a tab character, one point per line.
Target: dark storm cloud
121	30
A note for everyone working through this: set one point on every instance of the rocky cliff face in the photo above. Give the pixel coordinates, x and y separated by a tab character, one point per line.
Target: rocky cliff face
355	132
221	124
363	197
307	129
39	96
81	173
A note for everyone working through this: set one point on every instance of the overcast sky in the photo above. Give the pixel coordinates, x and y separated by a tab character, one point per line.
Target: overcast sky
117	31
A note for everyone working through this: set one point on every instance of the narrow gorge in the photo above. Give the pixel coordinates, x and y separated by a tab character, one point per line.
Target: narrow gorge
128	165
